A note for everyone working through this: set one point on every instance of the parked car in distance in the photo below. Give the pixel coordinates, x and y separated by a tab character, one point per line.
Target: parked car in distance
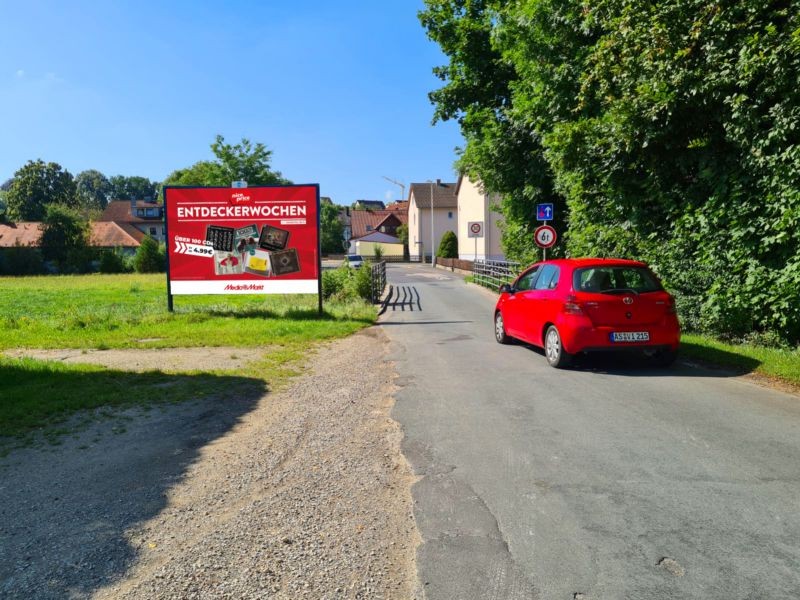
571	306
354	260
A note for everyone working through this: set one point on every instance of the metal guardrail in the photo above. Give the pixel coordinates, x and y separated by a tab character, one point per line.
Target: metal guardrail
493	273
378	280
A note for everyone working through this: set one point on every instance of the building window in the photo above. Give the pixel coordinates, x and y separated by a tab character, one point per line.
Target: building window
163	231
449	214
153	231
152	212
369	227
140	212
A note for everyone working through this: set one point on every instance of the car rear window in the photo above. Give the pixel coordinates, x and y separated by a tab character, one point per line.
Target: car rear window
610	280
354	257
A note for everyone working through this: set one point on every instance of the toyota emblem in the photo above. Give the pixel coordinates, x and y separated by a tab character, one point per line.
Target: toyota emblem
627	300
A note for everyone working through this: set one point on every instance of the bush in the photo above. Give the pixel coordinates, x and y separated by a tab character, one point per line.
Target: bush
113	261
378	252
21	260
448	247
345	283
150	258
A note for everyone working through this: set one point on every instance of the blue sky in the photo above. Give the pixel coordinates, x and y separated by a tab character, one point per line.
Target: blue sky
337	90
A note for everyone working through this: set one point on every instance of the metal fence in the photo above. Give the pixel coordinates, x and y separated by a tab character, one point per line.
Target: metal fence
493	273
378	280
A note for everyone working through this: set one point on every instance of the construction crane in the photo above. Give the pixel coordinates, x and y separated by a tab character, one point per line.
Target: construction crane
402	186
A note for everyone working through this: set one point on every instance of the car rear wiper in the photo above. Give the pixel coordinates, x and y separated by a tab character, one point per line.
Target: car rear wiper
619	290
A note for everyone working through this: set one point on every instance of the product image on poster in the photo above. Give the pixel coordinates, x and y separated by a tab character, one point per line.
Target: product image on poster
227	263
258	263
221	238
284	262
273	238
249	240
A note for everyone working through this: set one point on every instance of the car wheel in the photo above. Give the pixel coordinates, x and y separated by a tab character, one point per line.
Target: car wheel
554	349
500	329
665	358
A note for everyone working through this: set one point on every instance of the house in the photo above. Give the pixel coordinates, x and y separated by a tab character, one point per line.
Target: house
475	205
390	245
144	215
444	215
102	235
365	223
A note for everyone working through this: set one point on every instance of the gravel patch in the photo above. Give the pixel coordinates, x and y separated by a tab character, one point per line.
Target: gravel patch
173	360
300	494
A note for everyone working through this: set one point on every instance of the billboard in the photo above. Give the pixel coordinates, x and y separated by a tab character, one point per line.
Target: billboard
254	240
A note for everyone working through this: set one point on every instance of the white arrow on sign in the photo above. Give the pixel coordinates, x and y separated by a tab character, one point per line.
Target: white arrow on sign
194	249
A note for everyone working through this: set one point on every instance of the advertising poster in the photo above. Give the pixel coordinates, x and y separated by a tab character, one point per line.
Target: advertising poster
256	240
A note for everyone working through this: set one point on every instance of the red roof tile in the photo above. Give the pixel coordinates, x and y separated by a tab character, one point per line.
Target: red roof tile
361	219
106	234
120	211
20	234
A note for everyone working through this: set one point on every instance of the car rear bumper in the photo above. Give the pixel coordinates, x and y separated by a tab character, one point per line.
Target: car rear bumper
584	337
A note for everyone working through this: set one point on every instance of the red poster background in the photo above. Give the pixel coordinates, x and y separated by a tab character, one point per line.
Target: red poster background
189	211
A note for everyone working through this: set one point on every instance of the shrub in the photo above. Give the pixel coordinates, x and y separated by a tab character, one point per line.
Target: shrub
345	283
378	252
113	261
149	257
448	247
21	260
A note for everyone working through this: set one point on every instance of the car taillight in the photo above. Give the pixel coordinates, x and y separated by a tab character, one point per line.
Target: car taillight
671	308
571	307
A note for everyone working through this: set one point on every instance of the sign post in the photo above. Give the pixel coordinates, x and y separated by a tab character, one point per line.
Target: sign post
545	237
544	213
243	240
475	230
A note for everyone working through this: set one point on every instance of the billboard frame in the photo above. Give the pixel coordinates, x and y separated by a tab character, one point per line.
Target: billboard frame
166	188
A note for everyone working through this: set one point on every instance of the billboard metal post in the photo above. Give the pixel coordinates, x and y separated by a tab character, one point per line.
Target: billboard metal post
319	258
170	306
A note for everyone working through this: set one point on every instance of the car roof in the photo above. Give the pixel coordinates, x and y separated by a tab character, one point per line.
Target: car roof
578	263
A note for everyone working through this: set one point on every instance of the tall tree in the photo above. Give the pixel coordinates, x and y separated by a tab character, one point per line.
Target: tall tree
65	237
126	187
242	161
94	189
331	228
36	185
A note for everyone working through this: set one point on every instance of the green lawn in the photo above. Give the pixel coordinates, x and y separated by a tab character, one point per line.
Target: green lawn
129	311
774	362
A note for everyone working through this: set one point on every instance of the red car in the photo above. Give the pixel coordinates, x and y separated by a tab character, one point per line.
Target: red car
568	306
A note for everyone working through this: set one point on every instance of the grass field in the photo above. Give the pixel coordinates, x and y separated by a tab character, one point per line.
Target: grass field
129	311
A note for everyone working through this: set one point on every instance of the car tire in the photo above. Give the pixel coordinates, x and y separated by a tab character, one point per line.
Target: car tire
665	358
554	350
500	329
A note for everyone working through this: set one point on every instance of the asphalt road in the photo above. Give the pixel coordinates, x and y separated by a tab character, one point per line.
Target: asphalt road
604	481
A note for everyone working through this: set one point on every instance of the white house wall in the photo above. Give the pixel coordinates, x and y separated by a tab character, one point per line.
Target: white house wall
419	227
474	205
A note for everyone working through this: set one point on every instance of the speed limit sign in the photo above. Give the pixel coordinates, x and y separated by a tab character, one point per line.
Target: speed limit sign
545	236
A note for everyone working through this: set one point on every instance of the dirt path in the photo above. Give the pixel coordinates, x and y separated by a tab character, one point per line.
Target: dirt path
302	493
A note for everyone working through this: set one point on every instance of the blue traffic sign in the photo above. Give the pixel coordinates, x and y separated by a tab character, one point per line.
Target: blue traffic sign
544	212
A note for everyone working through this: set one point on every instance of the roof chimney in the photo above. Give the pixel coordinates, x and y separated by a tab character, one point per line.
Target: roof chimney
438	182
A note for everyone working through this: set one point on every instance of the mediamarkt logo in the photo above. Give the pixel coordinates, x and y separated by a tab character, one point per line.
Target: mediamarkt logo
240	198
244	287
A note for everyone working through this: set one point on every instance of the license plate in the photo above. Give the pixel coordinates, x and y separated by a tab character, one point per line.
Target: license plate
630	336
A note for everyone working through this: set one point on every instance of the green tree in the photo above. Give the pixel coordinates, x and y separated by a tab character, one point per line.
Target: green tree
448	246
125	187
331	228
65	238
36	185
148	258
402	235
234	162
94	190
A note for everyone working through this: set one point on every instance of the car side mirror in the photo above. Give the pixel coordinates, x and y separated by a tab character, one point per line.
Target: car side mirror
506	288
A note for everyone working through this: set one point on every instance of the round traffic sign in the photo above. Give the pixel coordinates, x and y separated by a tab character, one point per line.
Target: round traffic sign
475	227
545	236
